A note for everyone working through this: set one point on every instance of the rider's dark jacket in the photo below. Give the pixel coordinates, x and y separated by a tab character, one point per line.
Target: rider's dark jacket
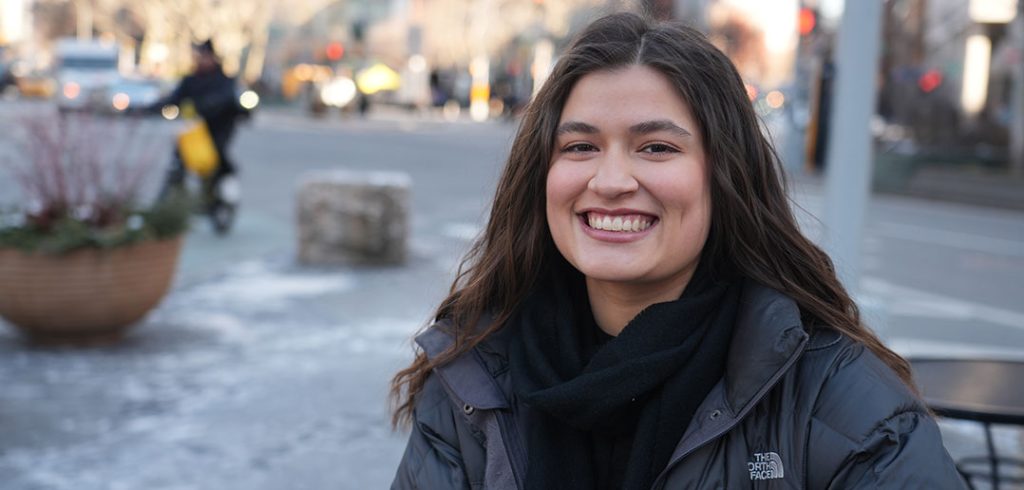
215	98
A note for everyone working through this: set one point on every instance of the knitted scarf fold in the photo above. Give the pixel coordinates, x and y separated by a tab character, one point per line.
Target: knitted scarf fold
630	398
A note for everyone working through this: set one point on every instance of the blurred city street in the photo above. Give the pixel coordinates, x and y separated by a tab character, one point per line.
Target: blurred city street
258	373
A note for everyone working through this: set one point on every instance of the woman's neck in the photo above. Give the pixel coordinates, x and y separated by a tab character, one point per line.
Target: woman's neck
614	304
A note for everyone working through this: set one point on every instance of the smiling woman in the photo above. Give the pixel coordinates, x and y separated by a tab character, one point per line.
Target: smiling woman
625	159
642	310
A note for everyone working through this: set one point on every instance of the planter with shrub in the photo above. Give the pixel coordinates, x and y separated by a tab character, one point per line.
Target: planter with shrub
81	260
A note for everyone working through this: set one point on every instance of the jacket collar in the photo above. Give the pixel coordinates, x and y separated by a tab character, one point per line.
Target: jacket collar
768	333
465	377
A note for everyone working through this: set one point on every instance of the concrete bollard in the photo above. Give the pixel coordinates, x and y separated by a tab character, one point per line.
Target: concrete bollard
348	217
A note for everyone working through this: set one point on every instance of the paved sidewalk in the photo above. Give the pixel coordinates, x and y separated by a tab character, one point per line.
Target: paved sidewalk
268	376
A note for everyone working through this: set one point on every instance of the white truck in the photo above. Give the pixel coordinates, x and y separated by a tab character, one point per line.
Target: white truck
85	70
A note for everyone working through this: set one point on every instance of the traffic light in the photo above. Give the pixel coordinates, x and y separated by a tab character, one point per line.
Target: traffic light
334	51
930	80
807	23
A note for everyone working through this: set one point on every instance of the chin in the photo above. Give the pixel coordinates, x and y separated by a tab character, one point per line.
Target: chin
611	274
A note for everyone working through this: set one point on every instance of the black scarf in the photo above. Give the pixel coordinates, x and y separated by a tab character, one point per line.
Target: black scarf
610	413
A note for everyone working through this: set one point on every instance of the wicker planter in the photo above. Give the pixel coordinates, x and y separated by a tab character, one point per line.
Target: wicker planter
86	296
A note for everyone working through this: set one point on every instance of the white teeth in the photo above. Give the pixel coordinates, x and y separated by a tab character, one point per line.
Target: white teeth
631	223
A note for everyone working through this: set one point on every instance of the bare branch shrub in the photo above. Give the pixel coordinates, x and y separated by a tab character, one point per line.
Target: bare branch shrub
81	167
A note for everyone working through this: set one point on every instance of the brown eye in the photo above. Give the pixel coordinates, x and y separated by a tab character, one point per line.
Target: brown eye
579	148
659	148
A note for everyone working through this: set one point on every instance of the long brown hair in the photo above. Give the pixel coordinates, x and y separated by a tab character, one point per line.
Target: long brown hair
753	230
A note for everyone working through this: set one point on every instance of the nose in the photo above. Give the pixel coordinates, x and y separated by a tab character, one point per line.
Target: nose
613	177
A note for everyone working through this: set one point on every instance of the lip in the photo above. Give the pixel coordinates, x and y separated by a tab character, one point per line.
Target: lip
614	236
615	212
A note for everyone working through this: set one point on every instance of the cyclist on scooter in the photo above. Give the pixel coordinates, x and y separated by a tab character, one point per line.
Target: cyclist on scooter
214	96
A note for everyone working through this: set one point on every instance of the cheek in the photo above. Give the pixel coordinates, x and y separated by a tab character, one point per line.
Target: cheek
687	196
701	216
564	183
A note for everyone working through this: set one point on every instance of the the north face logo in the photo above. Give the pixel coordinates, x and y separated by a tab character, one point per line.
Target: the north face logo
765	466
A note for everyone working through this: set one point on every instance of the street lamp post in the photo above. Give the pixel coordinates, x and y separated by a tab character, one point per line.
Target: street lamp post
850	152
848	172
1017	99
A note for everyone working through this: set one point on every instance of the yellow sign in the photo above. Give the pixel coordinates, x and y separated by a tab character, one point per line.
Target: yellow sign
376	78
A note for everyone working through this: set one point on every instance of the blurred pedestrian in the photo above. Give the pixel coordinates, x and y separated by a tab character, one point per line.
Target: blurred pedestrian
642	310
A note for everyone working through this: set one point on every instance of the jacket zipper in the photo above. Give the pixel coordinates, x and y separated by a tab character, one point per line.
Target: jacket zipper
659	482
510	431
513	447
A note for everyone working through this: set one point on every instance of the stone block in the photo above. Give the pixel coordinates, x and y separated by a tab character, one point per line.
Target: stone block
349	217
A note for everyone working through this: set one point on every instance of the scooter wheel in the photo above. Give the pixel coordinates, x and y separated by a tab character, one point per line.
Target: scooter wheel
222	215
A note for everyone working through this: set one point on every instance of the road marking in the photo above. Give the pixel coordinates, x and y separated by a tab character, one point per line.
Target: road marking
905	301
921	348
954	239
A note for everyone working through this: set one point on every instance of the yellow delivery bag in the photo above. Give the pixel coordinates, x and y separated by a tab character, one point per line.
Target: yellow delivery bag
198	153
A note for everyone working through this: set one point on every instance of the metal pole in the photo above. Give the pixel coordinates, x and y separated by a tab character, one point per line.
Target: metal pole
798	105
850	154
83	14
993	459
1017	99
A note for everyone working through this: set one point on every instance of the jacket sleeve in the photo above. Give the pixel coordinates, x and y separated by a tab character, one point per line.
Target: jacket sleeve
179	93
904	451
432	459
869	430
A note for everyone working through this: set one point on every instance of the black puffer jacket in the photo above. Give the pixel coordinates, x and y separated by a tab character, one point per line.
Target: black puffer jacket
215	98
792	411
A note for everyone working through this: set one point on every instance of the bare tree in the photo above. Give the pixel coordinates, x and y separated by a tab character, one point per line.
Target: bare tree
169	27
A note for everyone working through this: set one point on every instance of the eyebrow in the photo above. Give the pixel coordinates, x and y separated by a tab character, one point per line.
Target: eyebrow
575	127
645	127
658	125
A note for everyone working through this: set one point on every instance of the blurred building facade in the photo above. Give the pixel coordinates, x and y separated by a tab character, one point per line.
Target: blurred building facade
950	111
950	81
951	100
443	50
950	70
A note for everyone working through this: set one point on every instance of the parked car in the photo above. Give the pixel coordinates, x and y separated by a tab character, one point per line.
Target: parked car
85	70
36	84
132	94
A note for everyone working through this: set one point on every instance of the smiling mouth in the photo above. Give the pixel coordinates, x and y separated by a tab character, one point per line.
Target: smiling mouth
622	223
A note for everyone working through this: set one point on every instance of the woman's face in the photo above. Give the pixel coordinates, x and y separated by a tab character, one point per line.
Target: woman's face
628	199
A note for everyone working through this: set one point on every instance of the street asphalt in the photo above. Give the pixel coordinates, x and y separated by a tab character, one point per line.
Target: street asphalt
258	373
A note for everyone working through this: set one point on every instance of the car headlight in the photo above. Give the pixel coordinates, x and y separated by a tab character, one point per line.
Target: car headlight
72	90
249	100
170	112
120	101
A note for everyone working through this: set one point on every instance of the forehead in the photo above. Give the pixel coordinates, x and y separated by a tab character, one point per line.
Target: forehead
609	98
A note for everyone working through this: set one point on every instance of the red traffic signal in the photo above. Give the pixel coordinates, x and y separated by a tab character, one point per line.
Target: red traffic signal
807	21
334	51
930	80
